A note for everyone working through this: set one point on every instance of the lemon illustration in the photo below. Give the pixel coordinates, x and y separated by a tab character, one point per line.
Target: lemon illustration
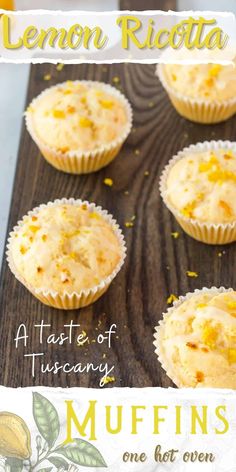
14	437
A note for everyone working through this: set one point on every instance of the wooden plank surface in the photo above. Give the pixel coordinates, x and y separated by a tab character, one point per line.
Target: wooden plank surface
156	264
148	5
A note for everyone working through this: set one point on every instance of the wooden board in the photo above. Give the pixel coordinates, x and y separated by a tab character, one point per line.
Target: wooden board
149	5
156	264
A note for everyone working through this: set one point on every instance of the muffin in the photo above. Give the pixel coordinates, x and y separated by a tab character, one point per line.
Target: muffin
205	93
66	252
198	187
196	341
79	126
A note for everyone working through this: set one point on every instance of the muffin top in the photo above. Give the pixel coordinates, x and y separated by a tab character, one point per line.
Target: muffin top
199	340
204	81
202	186
76	117
65	248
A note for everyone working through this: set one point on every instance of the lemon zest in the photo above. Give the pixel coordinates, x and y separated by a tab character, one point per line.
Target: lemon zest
175	235
60	66
209	336
108	380
108	104
107	181
34	228
85	122
214	70
172	298
129	224
232	356
192	274
188	209
227	209
58	114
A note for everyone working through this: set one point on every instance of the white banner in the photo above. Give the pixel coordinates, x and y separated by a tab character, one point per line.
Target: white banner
108	37
118	429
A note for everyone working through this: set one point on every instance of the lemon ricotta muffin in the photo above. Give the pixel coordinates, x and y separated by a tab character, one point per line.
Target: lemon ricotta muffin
199	187
205	81
197	340
84	122
203	92
67	250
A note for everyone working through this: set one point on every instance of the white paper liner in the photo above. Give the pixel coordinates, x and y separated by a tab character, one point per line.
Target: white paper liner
75	300
197	109
160	329
209	233
82	162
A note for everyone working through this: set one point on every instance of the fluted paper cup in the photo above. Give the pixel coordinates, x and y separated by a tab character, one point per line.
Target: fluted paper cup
82	162
197	109
67	300
209	233
160	331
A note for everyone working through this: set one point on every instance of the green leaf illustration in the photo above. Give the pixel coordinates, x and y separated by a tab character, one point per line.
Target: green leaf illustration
46	418
46	469
15	465
82	453
58	462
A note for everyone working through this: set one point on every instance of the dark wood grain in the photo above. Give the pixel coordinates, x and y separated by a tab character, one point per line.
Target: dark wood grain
156	264
148	5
